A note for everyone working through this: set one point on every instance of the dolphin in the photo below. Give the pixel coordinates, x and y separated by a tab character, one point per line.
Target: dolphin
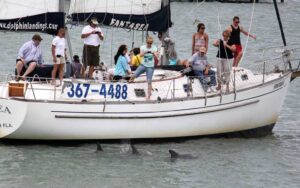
175	155
134	150
99	148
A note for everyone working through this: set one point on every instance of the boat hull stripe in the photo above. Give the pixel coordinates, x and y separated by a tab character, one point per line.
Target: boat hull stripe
158	116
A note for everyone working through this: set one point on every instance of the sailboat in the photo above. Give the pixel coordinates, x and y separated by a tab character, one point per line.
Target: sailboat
100	109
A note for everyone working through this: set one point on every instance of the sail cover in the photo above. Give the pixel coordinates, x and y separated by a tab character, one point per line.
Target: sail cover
31	15
143	15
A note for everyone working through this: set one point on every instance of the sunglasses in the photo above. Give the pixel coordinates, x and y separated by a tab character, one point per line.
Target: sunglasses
202	27
149	42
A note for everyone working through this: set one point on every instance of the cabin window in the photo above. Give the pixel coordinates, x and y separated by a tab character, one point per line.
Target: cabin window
244	77
140	92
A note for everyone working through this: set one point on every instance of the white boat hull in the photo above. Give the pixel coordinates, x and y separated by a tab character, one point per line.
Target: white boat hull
248	109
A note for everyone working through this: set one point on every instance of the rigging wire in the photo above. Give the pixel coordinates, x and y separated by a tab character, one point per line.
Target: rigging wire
250	27
192	11
220	34
112	37
145	17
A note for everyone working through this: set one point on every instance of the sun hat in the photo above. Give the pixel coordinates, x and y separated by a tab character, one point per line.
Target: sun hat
94	21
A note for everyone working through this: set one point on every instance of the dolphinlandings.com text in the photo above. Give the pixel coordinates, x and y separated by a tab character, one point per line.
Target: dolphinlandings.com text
28	26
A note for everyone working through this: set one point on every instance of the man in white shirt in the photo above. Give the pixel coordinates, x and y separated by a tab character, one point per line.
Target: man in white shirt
29	56
91	35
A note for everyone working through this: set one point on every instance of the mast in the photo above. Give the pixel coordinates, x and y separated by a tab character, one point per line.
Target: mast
62	9
279	22
286	52
164	59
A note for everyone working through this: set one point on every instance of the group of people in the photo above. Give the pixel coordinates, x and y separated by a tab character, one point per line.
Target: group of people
144	58
229	54
30	54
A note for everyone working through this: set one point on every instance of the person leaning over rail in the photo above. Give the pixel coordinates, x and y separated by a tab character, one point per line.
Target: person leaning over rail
225	56
122	68
29	56
91	35
200	39
59	55
235	30
148	53
202	69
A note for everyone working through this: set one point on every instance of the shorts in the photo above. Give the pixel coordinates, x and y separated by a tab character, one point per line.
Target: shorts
26	64
90	55
141	69
59	60
239	49
224	70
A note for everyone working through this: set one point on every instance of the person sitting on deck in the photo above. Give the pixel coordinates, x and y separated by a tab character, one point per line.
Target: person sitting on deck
122	68
29	56
76	67
136	59
202	69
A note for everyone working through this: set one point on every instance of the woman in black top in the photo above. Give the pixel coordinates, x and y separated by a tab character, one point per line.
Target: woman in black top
225	56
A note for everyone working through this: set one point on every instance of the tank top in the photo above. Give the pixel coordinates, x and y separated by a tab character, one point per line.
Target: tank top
199	42
235	36
224	53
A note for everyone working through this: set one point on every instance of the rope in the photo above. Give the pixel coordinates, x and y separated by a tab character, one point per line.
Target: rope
112	38
144	12
250	26
220	33
192	11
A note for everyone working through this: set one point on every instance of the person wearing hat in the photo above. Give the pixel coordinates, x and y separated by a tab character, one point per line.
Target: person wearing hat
91	35
29	56
202	69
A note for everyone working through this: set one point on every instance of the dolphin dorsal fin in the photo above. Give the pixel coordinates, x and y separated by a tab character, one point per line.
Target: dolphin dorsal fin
99	148
173	153
134	150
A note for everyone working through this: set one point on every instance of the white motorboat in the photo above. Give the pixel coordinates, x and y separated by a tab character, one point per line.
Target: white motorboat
179	105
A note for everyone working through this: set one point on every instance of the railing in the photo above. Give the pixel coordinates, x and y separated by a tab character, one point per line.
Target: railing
172	88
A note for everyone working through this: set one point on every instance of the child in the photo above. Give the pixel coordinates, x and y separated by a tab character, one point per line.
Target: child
76	67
